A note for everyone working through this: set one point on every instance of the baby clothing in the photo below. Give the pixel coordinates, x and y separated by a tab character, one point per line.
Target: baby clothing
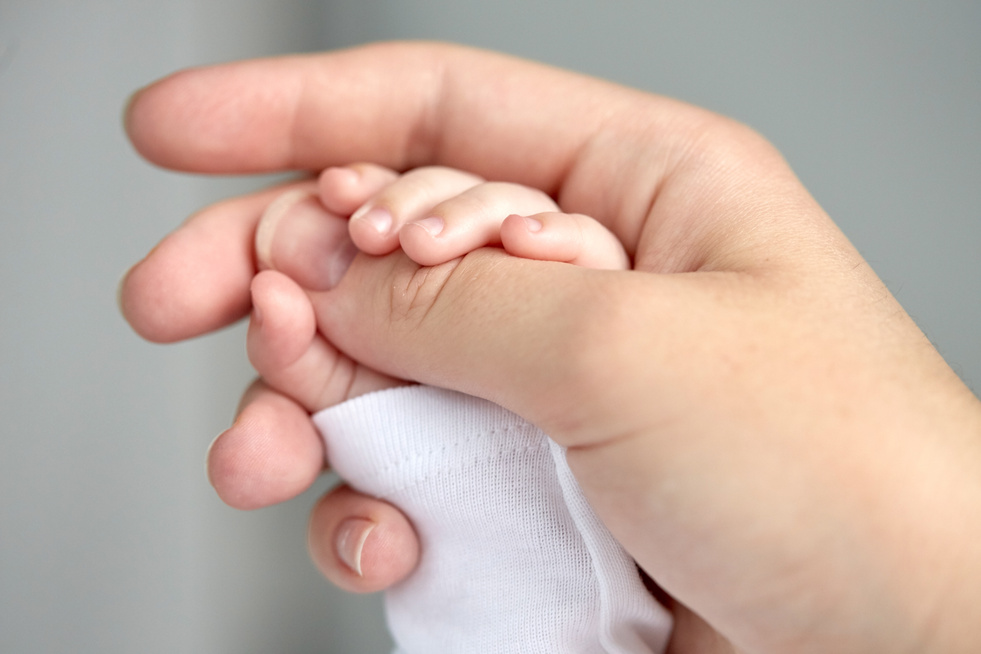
513	559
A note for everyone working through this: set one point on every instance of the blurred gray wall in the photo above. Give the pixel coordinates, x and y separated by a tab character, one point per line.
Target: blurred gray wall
111	539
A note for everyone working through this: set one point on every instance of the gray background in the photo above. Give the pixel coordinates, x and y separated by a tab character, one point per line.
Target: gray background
111	539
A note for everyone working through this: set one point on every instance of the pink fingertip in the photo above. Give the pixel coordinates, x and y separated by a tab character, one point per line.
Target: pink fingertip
341	189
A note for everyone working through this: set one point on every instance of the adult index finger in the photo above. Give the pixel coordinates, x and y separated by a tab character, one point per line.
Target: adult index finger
405	105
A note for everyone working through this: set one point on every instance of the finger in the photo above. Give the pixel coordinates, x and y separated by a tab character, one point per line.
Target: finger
283	325
314	234
375	226
468	221
345	188
197	279
571	238
271	453
400	105
409	105
361	544
289	354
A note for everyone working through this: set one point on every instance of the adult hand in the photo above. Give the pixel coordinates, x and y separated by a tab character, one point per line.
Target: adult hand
749	410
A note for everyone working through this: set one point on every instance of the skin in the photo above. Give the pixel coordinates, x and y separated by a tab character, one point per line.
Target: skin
749	410
436	214
293	357
284	343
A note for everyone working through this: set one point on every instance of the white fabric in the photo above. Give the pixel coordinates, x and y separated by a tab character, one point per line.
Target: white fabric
513	558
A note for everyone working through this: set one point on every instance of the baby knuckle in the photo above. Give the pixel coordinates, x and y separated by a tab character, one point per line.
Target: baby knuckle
415	292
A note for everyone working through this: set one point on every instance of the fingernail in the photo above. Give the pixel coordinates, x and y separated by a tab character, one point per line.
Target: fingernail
378	218
533	224
350	540
433	224
271	217
299	237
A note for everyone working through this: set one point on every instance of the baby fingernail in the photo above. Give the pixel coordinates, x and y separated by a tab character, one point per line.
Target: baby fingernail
350	540
433	225
380	219
533	224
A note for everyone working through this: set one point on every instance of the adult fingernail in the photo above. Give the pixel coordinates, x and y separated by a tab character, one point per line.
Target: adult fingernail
269	222
350	539
299	237
378	218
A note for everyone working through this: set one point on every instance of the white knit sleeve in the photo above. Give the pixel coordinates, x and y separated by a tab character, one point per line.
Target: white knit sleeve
513	558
